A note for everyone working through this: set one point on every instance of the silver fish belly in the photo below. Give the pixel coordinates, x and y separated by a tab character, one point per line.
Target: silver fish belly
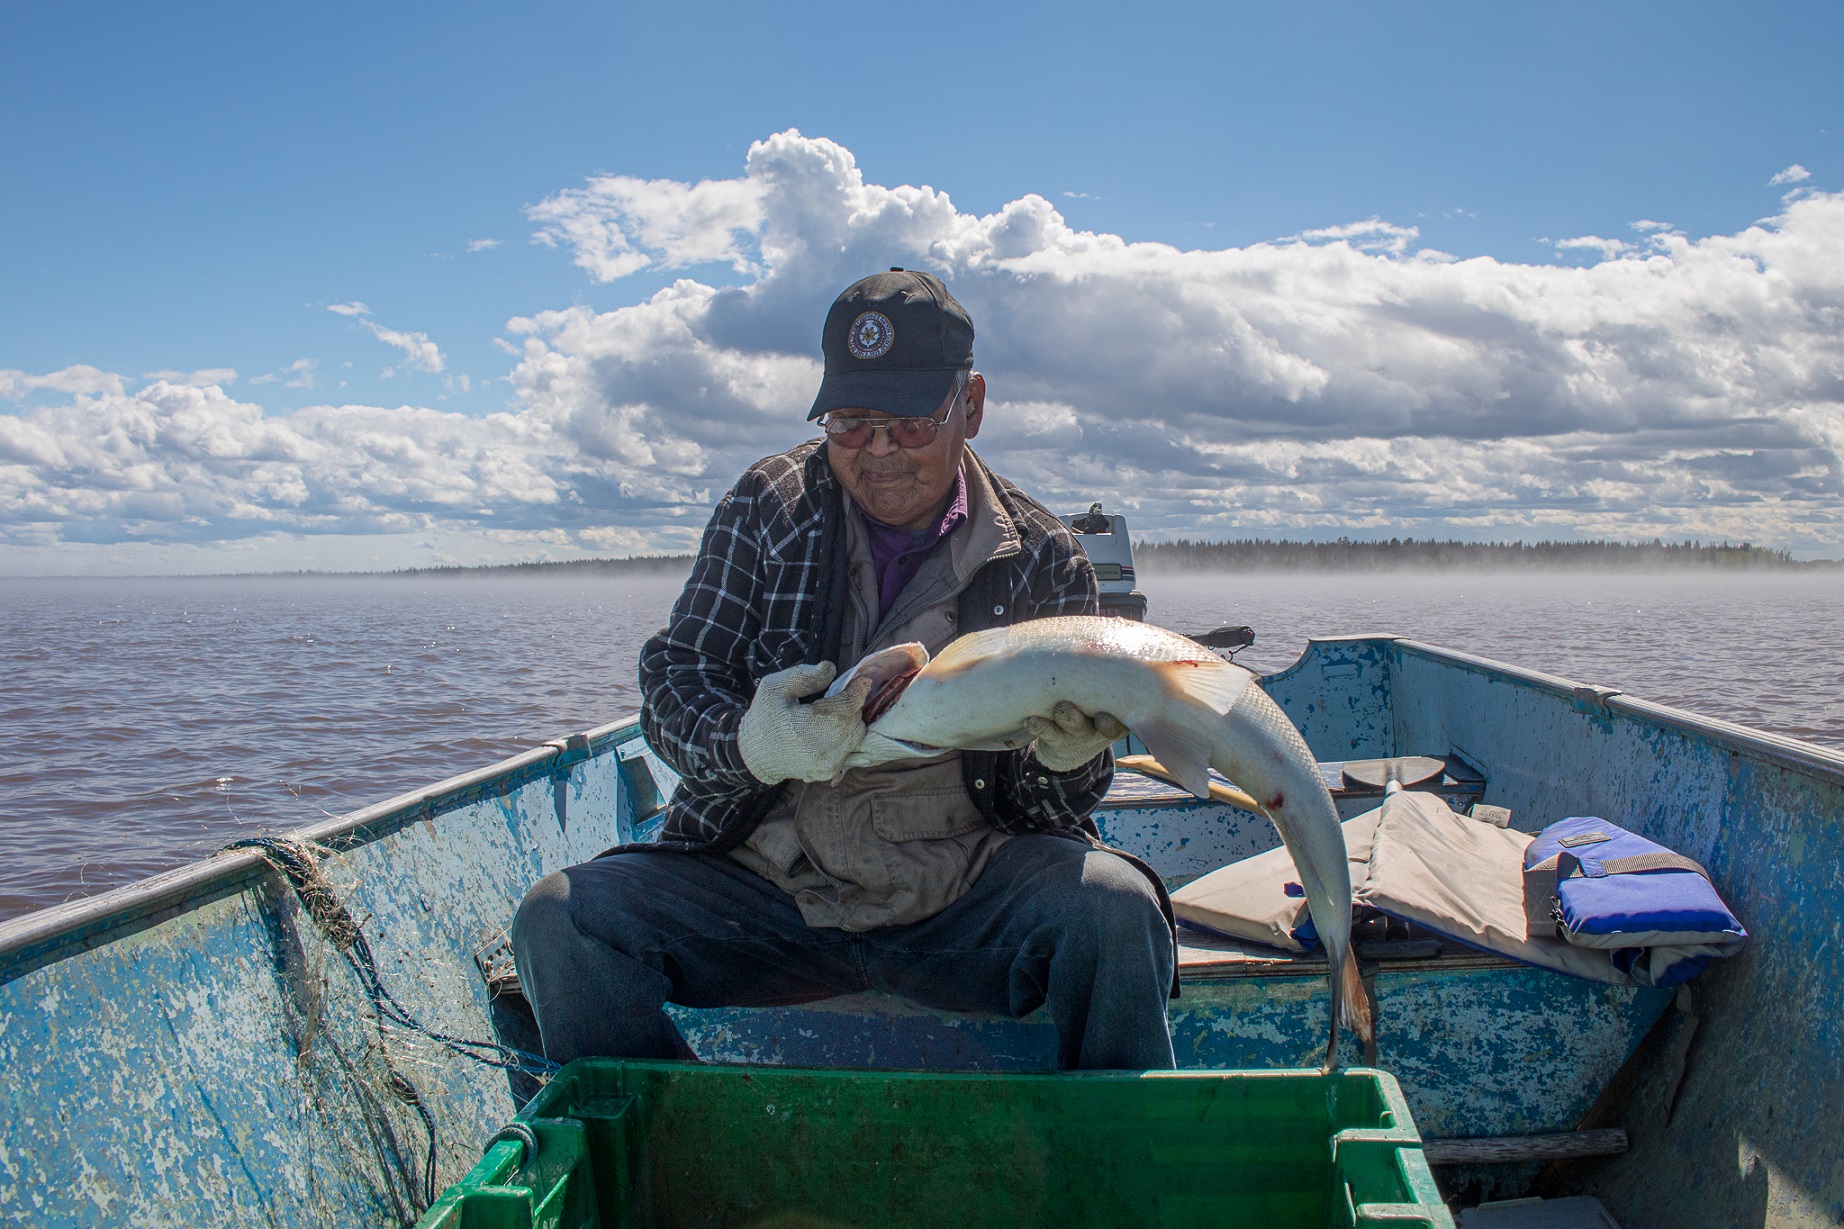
1192	709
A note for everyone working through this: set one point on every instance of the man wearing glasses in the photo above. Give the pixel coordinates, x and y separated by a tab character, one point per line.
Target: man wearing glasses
973	881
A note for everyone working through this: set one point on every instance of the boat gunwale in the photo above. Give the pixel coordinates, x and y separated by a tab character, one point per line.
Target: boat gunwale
45	936
1777	749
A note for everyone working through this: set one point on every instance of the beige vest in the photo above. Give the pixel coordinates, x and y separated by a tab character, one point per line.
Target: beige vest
900	843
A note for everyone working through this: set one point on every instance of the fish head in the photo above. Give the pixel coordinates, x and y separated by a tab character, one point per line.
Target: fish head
890	670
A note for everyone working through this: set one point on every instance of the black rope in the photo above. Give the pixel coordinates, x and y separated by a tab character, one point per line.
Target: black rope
339	928
519	1133
406	1092
493	1054
337	925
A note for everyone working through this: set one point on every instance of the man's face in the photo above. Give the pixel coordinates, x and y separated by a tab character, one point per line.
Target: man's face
909	487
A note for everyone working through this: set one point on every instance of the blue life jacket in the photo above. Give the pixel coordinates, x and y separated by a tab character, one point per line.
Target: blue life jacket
1598	885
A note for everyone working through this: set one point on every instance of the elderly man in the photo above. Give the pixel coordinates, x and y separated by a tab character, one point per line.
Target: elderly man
970	882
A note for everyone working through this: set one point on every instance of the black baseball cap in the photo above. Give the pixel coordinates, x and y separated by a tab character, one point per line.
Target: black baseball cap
894	342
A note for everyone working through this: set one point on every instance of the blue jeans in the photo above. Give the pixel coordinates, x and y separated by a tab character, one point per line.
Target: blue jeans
603	946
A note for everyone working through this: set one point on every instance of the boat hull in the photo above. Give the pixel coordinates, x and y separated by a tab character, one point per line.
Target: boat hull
193	1050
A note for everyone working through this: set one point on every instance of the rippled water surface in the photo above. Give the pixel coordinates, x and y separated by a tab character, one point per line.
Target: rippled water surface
1757	649
149	721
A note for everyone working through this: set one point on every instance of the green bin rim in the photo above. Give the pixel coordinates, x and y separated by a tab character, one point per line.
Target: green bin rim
505	1155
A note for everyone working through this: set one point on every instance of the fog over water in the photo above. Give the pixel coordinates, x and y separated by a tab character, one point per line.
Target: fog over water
149	721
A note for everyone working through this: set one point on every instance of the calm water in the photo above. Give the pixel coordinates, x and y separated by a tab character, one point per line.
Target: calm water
147	722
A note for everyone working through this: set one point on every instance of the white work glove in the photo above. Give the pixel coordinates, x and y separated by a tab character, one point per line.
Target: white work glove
1073	738
782	739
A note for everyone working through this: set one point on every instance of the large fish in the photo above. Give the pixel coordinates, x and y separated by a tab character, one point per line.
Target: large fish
1192	709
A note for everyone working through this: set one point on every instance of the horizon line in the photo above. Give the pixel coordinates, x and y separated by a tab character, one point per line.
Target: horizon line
1688	553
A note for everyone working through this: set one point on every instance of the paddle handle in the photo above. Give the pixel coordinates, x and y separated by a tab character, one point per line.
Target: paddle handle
1147	766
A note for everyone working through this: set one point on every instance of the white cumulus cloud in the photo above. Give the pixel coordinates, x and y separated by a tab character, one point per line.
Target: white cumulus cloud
420	354
1792	174
1370	235
79	380
298	374
174	462
1341	380
620	225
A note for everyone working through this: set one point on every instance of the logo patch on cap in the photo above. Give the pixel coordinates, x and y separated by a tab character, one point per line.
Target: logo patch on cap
870	336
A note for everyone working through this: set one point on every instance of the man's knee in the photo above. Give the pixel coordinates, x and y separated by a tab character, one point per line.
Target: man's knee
1117	896
1066	884
544	913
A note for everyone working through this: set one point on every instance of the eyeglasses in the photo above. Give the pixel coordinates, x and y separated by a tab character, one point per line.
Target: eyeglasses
905	432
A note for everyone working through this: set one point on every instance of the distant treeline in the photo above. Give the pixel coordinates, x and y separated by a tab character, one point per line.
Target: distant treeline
1349	555
637	564
1257	554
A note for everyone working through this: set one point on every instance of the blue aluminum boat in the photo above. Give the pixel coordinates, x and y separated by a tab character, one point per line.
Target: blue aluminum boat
309	1033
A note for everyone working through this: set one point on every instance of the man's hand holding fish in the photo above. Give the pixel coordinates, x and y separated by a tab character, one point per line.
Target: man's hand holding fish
1069	737
782	739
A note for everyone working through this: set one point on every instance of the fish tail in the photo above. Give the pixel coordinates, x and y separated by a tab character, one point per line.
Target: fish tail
1350	1005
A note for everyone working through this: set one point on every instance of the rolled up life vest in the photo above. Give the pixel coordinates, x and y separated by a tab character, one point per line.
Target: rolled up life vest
1597	885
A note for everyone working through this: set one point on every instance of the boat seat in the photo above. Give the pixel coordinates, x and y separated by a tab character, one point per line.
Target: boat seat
879	1030
1206	957
1354	785
1201	956
1216	1022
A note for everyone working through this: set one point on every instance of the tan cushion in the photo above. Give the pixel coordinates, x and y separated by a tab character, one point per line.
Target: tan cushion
1412	858
1248	899
1465	879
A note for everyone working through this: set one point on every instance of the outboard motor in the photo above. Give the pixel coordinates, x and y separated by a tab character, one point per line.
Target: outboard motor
1109	548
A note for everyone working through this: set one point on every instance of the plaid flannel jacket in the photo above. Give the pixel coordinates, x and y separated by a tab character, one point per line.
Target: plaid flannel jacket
768	591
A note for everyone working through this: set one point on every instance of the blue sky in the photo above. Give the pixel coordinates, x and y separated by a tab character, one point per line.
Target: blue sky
190	189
